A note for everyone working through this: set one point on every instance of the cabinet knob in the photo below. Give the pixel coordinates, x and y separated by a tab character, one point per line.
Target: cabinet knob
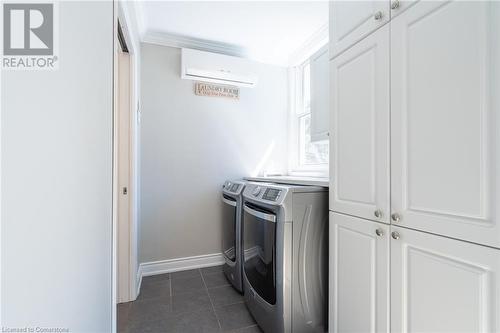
379	232
395	235
378	213
378	16
396	217
395	4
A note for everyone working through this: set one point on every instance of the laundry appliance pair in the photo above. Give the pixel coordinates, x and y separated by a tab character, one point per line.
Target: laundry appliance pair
275	245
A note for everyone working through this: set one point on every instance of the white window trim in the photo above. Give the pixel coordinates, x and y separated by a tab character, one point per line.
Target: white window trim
295	100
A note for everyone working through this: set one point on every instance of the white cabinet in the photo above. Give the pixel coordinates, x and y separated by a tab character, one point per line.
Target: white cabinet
359	124
359	275
436	284
441	157
351	21
399	6
445	109
443	285
320	95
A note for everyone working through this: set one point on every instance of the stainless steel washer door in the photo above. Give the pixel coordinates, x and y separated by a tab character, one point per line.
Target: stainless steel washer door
259	251
229	228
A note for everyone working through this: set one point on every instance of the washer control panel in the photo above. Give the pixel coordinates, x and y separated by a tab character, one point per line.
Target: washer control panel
232	187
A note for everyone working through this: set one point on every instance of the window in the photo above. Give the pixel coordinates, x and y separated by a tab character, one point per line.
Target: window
308	157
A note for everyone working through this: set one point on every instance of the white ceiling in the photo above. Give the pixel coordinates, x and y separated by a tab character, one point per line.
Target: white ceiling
267	31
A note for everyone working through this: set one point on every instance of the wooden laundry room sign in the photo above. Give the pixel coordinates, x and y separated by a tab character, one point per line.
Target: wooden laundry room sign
216	90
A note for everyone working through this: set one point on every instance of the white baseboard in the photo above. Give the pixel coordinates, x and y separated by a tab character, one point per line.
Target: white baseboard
178	264
139	281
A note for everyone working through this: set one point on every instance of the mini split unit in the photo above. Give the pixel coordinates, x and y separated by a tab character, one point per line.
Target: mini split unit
217	68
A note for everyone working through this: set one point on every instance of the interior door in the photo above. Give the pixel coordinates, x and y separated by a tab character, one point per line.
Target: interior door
124	230
359	141
445	110
351	21
359	275
440	284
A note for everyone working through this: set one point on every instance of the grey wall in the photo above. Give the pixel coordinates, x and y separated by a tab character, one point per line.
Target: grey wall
56	181
190	145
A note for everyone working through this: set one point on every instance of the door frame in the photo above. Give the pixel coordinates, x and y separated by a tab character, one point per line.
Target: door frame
122	19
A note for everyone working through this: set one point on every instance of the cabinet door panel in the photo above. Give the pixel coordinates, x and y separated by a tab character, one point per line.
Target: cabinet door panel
359	123
359	275
440	284
399	6
351	21
445	117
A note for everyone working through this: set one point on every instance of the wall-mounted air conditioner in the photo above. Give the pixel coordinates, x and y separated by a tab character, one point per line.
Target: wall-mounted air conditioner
217	68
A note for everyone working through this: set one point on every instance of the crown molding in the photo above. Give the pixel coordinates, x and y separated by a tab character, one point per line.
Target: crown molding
138	10
174	40
310	46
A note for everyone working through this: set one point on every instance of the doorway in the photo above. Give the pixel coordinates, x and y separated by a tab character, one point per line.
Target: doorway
124	170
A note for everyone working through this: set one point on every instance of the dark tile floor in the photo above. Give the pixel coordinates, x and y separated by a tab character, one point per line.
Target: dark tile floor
199	300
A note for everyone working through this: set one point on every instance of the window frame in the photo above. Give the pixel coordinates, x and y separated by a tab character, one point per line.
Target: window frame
298	111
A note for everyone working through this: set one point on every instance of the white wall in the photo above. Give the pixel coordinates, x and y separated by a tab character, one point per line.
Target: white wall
56	169
190	145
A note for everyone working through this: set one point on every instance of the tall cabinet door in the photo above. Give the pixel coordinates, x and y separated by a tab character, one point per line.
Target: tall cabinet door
440	284
399	6
351	21
359	123
445	109
359	275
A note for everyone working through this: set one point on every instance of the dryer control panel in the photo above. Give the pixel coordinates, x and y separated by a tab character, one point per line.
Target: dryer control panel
266	193
257	191
271	194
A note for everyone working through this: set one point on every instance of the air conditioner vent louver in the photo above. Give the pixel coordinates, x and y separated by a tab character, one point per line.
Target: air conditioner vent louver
217	68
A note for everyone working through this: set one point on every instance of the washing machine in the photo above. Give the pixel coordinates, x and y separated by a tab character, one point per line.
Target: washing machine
231	231
285	256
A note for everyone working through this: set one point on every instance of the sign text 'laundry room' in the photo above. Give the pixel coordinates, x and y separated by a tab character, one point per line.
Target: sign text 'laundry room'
216	90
